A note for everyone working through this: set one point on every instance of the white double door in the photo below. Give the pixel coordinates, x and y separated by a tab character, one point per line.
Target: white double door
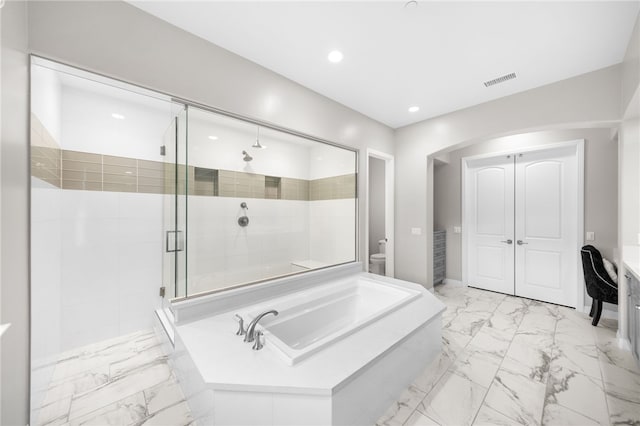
521	224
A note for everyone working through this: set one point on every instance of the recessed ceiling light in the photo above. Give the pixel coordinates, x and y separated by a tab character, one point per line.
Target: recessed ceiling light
414	109
117	116
213	138
335	56
411	4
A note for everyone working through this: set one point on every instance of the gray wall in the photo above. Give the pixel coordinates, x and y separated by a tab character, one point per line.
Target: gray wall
14	276
376	203
589	100
631	67
601	187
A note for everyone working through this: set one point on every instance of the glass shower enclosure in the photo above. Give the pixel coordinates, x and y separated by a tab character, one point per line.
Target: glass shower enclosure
174	214
247	202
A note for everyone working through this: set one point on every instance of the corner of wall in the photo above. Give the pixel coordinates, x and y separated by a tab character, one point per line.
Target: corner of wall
14	181
631	67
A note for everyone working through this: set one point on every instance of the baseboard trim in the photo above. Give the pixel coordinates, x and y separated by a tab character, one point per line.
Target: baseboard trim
453	283
623	342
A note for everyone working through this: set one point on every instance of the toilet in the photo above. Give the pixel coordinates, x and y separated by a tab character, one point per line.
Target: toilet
377	261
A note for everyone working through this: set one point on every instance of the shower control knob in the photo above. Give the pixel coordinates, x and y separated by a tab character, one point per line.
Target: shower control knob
241	331
243	221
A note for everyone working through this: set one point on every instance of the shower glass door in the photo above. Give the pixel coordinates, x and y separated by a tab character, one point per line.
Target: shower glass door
176	188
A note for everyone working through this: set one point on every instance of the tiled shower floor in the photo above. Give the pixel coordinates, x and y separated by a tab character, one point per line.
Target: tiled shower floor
505	361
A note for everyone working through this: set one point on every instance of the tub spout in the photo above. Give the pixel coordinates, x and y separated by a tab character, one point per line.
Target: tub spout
251	329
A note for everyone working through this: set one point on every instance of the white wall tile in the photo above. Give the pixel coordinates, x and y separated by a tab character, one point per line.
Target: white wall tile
111	264
46	285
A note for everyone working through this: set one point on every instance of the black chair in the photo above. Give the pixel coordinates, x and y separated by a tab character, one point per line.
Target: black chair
599	284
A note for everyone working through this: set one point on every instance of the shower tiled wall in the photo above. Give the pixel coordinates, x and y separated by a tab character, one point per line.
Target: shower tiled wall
95	247
45	154
96	172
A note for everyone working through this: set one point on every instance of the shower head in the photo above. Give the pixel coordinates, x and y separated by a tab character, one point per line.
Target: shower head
247	157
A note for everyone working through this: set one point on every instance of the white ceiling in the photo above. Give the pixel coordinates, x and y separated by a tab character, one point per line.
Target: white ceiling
435	55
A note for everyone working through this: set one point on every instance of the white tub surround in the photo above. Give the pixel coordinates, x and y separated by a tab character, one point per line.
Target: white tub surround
378	334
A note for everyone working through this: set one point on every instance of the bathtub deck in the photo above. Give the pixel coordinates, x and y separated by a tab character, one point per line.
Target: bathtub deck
349	381
227	363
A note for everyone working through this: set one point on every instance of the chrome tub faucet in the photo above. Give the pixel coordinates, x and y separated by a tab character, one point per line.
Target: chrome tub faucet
251	329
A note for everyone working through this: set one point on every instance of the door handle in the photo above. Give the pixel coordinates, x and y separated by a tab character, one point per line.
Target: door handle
507	241
520	242
174	241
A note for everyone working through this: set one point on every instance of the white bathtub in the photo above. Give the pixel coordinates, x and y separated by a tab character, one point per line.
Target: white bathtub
309	371
310	320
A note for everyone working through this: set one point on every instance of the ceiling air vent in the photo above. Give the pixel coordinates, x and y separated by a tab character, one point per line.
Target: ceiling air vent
500	79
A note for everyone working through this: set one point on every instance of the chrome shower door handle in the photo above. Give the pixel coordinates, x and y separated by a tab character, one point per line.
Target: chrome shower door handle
174	241
520	242
507	241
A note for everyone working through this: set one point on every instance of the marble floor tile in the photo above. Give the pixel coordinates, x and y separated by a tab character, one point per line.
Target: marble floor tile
453	341
507	323
145	341
622	411
517	397
141	357
557	368
481	306
130	384
557	415
538	322
491	340
529	356
477	365
163	395
80	383
621	383
89	360
487	416
419	419
401	410
610	352
546	309
577	392
434	372
174	415
54	413
574	328
468	323
441	405
127	411
579	358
